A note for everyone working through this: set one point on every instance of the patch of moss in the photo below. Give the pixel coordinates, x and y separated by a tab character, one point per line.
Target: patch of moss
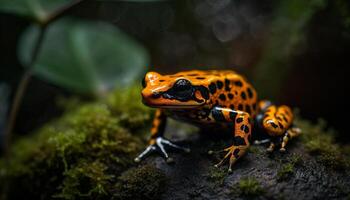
146	182
81	154
85	179
127	105
255	150
288	166
285	171
250	187
295	159
217	175
334	160
319	141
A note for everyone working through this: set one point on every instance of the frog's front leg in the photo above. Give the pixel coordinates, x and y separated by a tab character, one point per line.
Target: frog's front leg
241	133
157	142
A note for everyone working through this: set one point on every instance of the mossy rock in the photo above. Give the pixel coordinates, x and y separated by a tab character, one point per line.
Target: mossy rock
88	154
319	141
80	155
145	182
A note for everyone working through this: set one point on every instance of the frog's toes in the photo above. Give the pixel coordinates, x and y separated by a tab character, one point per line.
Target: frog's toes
175	146
159	145
271	147
282	149
211	152
145	153
233	154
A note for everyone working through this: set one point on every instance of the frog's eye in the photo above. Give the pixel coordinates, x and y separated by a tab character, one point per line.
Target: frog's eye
183	88
182	85
143	83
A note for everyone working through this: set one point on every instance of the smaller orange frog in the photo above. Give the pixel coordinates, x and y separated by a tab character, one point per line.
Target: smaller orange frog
214	98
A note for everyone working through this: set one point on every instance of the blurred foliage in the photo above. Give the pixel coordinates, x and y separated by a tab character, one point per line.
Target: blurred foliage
4	98
37	10
40	10
343	8
82	154
285	40
84	56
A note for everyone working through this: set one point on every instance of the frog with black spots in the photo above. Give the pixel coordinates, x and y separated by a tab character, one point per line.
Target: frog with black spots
214	97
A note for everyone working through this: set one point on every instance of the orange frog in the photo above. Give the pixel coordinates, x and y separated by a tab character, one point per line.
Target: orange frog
213	98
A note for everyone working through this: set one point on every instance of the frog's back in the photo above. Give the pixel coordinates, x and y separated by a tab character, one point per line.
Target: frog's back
226	87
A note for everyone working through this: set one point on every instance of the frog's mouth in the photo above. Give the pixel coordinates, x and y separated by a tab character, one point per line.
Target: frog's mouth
167	100
171	103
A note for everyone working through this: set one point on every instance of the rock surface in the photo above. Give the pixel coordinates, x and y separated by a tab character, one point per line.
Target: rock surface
291	175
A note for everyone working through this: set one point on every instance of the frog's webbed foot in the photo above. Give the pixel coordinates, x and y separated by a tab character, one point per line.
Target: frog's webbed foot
233	154
159	145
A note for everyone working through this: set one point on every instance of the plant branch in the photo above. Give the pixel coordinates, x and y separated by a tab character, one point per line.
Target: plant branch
26	77
22	86
60	12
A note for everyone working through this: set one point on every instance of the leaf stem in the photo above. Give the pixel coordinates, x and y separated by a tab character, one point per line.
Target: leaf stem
60	12
26	77
22	86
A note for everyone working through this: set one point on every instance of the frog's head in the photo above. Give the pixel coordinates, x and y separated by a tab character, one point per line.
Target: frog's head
172	91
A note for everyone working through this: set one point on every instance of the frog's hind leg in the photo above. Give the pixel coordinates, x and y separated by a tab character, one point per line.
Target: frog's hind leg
289	134
276	121
241	132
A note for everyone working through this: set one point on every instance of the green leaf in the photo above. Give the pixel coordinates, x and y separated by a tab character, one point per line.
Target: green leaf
131	0
84	56
35	9
39	10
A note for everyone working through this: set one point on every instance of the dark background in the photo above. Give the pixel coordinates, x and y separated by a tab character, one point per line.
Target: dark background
183	35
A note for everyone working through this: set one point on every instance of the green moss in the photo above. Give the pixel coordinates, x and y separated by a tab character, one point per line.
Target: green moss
295	159
255	150
79	155
217	175
250	187
288	166
146	182
126	104
85	179
319	141
285	171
